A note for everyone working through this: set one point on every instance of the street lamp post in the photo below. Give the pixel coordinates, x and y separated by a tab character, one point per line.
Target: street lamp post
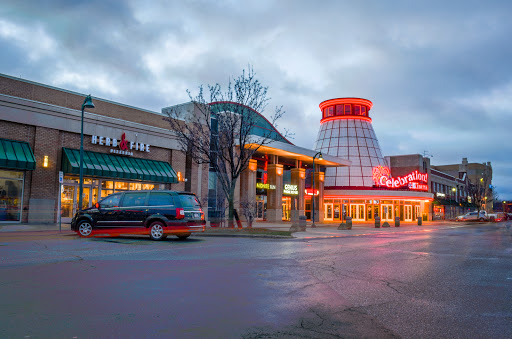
319	154
89	104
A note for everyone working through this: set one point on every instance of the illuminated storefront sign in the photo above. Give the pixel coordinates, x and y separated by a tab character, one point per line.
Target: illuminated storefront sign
124	147
288	189
261	185
309	191
291	189
414	181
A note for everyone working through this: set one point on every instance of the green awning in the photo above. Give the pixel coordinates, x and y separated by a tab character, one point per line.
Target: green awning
115	166
16	155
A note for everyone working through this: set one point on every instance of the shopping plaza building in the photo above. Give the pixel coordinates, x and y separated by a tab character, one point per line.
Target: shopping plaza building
128	148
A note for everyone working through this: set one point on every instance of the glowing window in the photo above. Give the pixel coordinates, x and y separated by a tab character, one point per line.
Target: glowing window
357	110
330	111
325	112
339	109
347	109
363	111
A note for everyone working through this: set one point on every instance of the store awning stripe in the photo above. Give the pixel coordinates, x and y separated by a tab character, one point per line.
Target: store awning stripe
16	155
115	166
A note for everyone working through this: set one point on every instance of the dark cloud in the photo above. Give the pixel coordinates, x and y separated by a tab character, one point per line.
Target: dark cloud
437	72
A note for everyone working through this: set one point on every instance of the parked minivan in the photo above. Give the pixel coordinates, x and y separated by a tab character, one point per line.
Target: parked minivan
157	213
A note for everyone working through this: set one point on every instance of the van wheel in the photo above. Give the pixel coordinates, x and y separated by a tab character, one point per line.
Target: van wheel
183	237
84	228
156	230
481	219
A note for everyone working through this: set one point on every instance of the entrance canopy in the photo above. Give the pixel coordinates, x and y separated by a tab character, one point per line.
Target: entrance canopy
292	152
16	155
115	166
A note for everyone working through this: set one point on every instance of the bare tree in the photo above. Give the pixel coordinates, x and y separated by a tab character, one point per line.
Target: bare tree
479	191
226	129
249	210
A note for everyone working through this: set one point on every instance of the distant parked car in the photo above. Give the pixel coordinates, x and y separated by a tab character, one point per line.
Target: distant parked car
497	217
157	213
473	216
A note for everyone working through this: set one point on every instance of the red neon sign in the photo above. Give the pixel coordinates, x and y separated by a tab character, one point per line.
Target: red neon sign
309	191
415	180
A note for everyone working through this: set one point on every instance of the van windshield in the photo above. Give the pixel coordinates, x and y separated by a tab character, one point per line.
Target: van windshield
188	200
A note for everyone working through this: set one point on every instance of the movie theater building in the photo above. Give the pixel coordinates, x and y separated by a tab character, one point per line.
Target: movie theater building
368	187
125	148
279	177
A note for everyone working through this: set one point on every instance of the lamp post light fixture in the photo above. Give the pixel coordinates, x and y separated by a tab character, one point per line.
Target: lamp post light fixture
89	104
319	154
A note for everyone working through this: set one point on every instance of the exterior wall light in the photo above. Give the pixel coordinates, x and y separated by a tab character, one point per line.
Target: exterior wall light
45	161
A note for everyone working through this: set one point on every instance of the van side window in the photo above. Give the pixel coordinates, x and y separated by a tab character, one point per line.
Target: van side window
160	199
111	201
134	199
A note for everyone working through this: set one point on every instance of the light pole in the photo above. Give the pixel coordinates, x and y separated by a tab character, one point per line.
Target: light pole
313	196
89	104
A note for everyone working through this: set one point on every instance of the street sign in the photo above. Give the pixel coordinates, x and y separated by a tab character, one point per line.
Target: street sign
61	177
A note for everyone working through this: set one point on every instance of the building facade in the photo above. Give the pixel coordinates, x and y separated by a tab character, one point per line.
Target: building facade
125	148
128	148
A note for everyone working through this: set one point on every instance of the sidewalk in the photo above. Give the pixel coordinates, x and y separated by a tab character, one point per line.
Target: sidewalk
322	230
17	227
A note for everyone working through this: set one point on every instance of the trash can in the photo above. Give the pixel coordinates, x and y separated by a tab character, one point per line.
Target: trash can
377	222
302	222
349	222
397	221
419	221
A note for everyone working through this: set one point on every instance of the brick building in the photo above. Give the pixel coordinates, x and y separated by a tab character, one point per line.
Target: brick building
124	148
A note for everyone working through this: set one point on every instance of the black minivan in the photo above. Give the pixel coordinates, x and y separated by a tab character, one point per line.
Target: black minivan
157	213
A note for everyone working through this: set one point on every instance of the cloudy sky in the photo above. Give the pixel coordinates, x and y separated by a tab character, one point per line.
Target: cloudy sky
439	73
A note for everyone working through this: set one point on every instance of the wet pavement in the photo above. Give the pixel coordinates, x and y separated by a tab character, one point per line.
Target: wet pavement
440	280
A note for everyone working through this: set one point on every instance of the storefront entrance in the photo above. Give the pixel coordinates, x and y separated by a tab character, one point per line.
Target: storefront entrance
387	212
70	197
407	213
328	213
357	211
287	207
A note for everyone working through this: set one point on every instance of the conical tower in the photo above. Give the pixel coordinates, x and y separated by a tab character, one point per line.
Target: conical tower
346	132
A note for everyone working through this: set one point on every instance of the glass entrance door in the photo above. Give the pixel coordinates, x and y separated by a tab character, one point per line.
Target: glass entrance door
387	212
328	212
287	207
417	212
68	202
260	209
357	212
407	213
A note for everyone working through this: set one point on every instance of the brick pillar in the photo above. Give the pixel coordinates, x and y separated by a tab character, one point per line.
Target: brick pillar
275	196
299	179
248	184
319	199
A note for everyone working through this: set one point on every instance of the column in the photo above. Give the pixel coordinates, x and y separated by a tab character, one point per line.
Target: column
248	184
275	193
319	199
298	179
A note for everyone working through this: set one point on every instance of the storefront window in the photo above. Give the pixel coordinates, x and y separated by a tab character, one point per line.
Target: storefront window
107	185
339	109
121	185
11	195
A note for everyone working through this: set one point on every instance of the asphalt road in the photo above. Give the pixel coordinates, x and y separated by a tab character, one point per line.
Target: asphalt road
440	282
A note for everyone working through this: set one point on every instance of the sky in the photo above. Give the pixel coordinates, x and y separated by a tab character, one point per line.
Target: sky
439	73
